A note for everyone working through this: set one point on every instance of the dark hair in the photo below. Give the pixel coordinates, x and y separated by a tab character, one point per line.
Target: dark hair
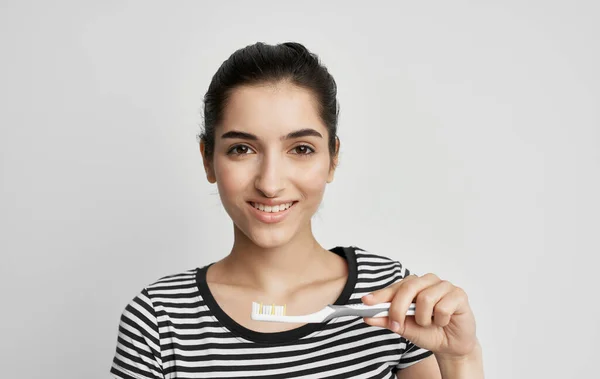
261	63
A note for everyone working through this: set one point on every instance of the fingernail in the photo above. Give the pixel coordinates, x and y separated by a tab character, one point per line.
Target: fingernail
394	326
368	296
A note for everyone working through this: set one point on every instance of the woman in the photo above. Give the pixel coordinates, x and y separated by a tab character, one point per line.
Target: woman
270	145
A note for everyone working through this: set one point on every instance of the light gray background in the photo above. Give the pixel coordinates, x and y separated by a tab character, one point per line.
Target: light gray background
470	148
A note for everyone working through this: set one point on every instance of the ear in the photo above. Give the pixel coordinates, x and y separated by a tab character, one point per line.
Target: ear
334	160
208	167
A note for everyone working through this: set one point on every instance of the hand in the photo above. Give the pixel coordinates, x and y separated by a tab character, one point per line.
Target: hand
451	332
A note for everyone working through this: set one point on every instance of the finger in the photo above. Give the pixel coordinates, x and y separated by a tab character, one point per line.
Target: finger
381	322
405	295
386	294
451	304
428	298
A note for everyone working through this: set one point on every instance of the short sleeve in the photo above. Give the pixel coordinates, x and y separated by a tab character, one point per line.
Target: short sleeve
411	355
138	353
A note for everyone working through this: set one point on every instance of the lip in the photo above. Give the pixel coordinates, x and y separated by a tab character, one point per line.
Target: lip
271	202
271	218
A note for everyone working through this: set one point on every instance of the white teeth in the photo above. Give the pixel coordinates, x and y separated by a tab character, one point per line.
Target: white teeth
272	209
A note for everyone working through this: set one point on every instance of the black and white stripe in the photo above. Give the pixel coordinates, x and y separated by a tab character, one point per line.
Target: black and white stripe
174	329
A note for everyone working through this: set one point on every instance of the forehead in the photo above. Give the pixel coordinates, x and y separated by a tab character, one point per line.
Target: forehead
271	110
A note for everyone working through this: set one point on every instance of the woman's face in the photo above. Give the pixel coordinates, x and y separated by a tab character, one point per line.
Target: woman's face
271	151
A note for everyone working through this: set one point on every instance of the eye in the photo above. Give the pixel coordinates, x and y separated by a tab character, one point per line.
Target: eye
239	150
303	150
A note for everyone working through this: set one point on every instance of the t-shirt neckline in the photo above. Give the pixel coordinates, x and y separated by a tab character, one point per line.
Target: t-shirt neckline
277	337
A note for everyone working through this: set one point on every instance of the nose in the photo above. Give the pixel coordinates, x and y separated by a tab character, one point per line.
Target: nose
270	177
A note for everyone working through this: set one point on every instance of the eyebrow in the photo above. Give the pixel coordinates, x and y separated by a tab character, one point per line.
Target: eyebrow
296	134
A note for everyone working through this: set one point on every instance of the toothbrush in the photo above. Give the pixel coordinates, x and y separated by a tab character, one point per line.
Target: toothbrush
276	313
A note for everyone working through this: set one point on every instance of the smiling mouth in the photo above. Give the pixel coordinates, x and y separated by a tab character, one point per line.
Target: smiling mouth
273	209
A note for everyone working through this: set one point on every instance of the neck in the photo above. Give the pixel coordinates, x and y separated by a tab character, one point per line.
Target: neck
283	268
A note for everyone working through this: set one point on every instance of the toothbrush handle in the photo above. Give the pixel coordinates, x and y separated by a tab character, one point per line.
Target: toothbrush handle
378	310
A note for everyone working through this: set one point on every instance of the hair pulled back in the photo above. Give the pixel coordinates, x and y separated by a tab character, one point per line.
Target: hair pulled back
261	63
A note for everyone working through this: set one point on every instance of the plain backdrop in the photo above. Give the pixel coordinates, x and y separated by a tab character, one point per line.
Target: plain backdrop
470	136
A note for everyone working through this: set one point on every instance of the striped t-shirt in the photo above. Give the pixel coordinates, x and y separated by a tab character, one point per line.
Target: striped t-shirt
174	328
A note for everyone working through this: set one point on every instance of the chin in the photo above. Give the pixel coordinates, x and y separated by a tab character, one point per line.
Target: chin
266	236
269	237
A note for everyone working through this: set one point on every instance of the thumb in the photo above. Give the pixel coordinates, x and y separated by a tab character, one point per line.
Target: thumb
409	330
384	295
412	331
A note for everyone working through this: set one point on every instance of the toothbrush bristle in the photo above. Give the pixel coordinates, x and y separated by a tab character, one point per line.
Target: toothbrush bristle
269	310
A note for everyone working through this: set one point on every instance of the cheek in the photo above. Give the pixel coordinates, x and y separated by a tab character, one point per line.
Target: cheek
231	179
313	177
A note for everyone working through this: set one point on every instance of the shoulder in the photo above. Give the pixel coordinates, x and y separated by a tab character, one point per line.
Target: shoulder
367	261
375	271
172	285
173	280
164	288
